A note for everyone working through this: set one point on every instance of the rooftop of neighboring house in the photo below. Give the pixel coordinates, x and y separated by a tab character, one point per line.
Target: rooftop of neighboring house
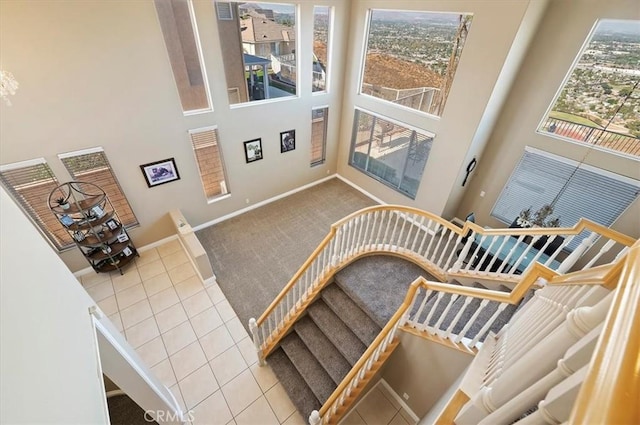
259	26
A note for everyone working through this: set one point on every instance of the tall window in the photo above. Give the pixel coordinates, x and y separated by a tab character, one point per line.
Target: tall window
389	152
92	166
574	191
319	119
599	103
411	57
180	37
210	164
321	32
258	43
30	183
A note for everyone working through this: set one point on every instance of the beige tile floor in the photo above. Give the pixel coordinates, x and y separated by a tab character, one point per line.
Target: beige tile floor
192	339
378	407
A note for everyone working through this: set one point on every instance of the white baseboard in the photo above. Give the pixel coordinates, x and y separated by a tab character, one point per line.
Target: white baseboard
147	247
400	400
262	203
361	190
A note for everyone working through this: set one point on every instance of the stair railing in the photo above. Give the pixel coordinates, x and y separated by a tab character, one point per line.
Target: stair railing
427	240
366	367
502	254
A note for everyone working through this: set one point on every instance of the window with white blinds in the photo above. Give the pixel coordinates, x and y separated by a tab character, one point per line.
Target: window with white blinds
319	119
92	166
210	163
29	183
575	190
390	152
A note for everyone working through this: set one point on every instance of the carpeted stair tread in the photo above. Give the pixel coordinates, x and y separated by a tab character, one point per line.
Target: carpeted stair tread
349	312
327	354
308	367
293	383
337	331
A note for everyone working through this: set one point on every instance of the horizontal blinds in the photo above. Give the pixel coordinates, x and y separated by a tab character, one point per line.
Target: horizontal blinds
318	135
210	162
30	187
581	191
94	167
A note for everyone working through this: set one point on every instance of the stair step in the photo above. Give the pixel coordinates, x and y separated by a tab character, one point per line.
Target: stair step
293	383
308	367
338	333
349	312
321	347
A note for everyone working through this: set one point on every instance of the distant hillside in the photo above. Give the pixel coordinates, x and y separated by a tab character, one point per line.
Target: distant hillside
388	71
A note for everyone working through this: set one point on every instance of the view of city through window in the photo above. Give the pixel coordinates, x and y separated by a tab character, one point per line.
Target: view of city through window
259	50
600	102
412	57
321	30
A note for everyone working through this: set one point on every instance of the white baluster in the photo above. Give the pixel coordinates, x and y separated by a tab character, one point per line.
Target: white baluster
507	259
434	307
444	250
432	236
436	327
605	248
456	265
386	230
487	325
455	320
475	252
314	418
577	253
416	318
253	327
497	254
383	220
462	333
425	236
439	235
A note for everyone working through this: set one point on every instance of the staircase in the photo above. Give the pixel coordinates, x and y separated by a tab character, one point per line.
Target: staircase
322	348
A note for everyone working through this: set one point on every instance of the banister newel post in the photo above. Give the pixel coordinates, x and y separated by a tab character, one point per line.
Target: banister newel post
314	418
253	327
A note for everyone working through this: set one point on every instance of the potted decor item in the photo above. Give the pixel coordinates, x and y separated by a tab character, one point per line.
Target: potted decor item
62	203
541	218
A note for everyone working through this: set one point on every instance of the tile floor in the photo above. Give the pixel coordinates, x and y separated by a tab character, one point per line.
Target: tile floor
192	339
378	407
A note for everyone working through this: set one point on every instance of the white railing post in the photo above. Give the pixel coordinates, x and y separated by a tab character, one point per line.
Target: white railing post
463	253
314	418
577	253
253	327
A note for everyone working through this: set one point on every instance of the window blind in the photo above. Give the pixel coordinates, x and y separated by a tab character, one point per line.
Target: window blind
581	191
210	163
29	183
92	166
319	118
224	10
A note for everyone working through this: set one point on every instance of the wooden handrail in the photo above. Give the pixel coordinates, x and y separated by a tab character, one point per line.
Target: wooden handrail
599	275
296	276
374	345
611	390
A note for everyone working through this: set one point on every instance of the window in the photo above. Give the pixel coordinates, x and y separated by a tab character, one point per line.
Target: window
258	43
30	183
210	163
180	38
390	152
92	166
321	30
411	57
574	190
599	102
319	119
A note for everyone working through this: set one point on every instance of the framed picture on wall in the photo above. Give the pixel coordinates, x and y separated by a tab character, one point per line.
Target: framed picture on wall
160	172
287	141
253	150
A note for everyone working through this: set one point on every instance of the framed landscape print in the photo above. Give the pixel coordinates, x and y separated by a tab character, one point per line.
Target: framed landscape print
160	172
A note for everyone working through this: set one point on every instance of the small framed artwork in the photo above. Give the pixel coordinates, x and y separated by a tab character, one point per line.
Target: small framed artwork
66	220
122	237
253	150
160	172
287	141
112	224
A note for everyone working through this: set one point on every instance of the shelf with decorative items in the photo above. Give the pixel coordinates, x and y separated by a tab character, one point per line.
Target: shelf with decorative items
86	212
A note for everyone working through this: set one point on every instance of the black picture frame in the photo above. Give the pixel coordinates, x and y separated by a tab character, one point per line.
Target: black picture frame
287	141
160	172
253	150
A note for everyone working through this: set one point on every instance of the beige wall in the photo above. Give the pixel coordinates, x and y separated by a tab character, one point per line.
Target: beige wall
564	29
424	370
495	27
49	364
96	73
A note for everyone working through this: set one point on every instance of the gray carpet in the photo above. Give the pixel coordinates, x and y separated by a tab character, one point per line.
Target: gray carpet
255	254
